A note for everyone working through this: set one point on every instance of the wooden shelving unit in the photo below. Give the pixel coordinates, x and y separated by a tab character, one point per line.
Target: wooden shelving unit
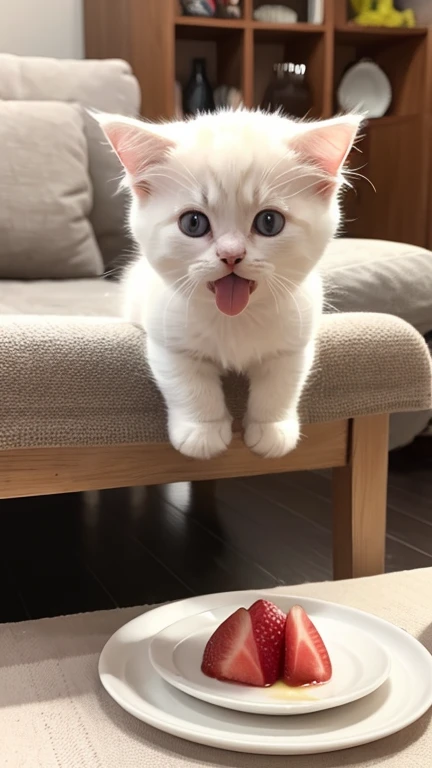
160	44
355	32
191	21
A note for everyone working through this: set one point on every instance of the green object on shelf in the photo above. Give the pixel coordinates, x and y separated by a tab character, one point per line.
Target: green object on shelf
381	13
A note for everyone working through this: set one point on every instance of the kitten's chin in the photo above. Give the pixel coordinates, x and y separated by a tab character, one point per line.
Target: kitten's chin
232	293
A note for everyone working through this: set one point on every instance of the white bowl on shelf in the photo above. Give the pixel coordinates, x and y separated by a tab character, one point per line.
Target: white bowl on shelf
365	88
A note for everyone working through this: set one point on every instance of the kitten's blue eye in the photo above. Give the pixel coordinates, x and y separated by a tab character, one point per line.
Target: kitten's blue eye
269	223
194	224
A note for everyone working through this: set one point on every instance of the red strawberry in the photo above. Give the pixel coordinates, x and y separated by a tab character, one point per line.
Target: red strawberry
248	646
231	652
268	623
306	657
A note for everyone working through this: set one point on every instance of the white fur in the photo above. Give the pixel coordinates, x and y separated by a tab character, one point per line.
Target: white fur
230	166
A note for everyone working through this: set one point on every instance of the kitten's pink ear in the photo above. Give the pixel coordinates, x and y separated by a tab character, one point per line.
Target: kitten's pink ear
328	144
137	146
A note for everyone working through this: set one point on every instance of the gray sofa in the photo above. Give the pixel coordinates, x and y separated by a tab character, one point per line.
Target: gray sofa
72	370
79	409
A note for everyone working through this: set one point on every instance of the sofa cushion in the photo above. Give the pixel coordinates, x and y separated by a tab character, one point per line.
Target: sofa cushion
103	298
73	298
380	276
84	379
105	85
45	193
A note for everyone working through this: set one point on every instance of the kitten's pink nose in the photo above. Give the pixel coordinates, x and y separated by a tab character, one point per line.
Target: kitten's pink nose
232	258
231	249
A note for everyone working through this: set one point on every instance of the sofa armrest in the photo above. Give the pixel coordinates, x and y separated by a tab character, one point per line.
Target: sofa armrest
85	381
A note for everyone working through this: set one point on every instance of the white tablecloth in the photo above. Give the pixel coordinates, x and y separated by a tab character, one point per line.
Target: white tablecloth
55	714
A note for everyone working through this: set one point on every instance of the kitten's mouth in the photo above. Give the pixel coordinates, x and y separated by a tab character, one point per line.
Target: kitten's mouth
232	293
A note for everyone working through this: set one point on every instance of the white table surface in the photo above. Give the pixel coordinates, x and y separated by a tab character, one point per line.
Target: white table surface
55	714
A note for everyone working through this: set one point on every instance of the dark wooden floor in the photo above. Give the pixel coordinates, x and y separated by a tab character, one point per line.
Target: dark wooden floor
81	552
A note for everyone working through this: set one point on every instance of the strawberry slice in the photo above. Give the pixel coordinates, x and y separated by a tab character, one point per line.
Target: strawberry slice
306	657
268	623
248	646
231	652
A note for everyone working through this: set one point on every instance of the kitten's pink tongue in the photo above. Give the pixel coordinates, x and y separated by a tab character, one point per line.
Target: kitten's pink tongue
232	294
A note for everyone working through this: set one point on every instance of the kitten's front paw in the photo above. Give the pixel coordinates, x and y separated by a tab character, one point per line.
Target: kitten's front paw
201	441
274	439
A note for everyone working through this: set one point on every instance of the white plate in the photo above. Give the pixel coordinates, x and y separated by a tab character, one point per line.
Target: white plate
366	88
129	677
360	666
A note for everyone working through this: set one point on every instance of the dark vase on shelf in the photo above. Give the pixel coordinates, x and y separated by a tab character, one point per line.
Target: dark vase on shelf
288	90
198	94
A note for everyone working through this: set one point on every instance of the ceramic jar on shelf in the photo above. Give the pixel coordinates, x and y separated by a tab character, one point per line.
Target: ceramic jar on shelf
288	90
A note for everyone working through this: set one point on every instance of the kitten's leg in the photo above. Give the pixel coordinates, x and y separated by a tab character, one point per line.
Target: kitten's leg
272	426
199	424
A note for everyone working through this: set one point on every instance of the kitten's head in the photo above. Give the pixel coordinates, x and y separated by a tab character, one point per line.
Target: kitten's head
233	205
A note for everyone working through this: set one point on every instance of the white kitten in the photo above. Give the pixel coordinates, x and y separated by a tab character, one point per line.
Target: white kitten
232	212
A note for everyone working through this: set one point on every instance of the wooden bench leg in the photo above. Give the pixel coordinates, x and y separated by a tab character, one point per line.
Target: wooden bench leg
360	501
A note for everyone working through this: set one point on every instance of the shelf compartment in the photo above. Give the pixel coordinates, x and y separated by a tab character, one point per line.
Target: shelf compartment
223	55
299	6
402	58
264	31
304	49
189	26
391	157
357	34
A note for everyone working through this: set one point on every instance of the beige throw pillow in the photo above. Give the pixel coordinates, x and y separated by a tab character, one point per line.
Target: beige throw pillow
45	192
107	85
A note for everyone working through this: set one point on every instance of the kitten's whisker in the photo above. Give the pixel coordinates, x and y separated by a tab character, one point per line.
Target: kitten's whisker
269	171
283	278
283	287
173	175
347	169
183	285
168	178
188	298
183	278
323	189
187	182
293	194
305	174
297	288
327	305
272	291
300	191
297	178
360	176
189	172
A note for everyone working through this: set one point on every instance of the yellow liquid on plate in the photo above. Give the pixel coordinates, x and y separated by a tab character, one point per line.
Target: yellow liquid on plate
284	692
